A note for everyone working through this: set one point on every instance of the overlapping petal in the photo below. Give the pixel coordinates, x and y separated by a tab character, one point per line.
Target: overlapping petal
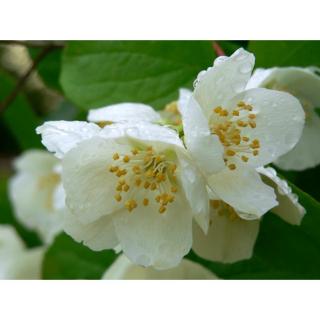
228	77
61	136
121	112
227	240
244	190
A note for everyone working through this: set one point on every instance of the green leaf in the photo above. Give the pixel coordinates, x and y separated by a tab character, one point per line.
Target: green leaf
67	259
282	251
285	53
98	73
49	68
19	117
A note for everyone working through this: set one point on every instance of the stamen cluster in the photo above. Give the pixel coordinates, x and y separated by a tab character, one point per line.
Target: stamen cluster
142	174
227	125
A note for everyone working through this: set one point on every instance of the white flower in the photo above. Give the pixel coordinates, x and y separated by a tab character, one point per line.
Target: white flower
131	184
17	262
304	84
231	238
36	193
231	132
124	269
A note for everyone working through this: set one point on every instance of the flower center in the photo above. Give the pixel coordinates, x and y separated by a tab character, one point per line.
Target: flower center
147	173
224	209
228	126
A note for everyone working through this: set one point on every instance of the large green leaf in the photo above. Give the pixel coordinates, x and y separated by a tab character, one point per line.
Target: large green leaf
19	117
97	73
67	259
285	53
282	251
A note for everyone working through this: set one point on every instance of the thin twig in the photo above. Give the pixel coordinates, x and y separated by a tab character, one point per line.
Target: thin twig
20	84
217	48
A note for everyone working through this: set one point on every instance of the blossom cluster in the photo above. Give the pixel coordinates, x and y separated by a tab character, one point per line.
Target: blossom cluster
196	175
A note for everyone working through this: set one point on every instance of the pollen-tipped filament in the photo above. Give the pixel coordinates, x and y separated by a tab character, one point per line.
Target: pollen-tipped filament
228	126
224	209
146	173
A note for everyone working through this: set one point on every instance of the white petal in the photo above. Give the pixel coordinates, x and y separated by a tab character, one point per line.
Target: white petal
26	265
59	197
61	136
36	162
306	154
225	79
184	96
9	240
260	77
244	190
205	148
279	122
124	269
149	238
289	209
88	184
143	131
98	235
227	241
32	199
194	185
300	82
120	112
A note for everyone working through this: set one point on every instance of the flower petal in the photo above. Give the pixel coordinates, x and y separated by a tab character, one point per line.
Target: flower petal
120	112
205	148
184	96
279	122
289	209
88	184
225	79
227	241
300	82
9	240
148	238
36	162
244	190
26	265
143	131
61	136
194	185
124	269
97	235
34	205
306	154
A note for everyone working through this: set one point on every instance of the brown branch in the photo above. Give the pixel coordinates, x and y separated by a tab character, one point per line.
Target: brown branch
33	44
21	82
217	48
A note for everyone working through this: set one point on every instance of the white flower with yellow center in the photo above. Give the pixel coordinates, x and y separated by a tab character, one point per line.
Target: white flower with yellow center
230	132
131	184
16	261
124	269
304	84
231	238
36	193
